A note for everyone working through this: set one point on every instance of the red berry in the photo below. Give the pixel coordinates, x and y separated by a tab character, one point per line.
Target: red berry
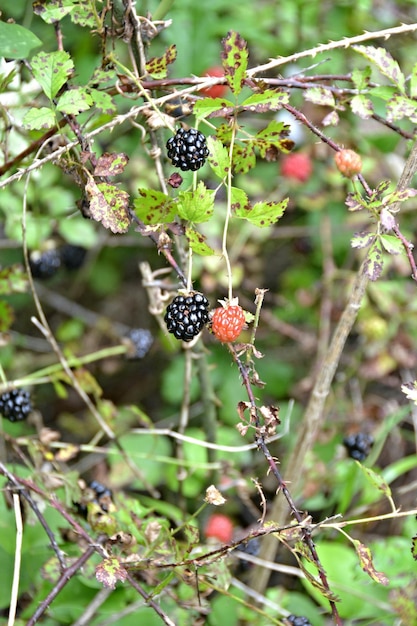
227	322
217	91
348	162
219	526
297	166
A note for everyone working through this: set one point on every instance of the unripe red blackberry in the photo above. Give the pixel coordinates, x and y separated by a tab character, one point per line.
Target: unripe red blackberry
187	149
348	162
186	316
15	405
227	322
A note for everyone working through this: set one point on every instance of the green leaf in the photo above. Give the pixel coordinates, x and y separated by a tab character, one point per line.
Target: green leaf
376	480
17	42
196	206
269	100
102	101
361	77
13	279
108	205
263	214
212	107
35	119
401	106
244	158
6	316
374	262
219	157
382	59
320	95
53	11
197	242
413	81
366	561
362	106
239	202
52	70
234	60
154	207
83	14
391	244
362	240
74	101
157	67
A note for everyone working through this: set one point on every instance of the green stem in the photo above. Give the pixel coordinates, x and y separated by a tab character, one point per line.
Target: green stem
228	216
162	9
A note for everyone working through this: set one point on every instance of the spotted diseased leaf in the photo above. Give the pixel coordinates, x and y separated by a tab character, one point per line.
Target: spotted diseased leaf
154	207
102	101
219	157
269	100
263	214
383	60
74	101
213	107
53	11
244	158
361	77
157	67
374	263
108	205
111	164
331	119
239	201
83	15
197	242
391	244
414	547
234	60
376	480
362	106
109	571
320	95
362	240
224	132
52	70
36	119
413	81
366	561
13	279
197	205
273	139
401	106
6	316
17	42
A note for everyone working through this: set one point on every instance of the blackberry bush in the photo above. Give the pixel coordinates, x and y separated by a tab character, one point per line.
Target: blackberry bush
186	316
15	405
358	445
187	149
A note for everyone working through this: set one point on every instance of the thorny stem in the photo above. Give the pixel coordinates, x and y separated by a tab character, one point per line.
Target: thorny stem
225	252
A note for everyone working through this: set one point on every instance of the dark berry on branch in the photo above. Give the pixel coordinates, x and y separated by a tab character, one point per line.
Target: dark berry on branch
187	149
186	316
298	621
73	256
44	264
358	445
15	405
139	341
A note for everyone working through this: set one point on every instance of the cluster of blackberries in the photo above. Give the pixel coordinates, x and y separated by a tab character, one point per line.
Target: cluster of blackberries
15	405
139	342
358	445
298	621
187	149
186	316
45	264
98	494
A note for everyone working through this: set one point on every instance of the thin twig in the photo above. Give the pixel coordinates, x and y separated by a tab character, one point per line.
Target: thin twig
17	559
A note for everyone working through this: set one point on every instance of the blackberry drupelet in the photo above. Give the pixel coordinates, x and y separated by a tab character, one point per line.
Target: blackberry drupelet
73	256
358	445
298	621
186	316
187	149
45	264
15	405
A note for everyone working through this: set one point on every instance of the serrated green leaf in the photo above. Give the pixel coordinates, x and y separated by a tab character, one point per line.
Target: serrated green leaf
320	95
391	244
269	100
196	206
362	106
234	60
239	202
74	101
413	81
109	205
35	119
362	240
367	564
219	157
157	67
17	42
244	158
83	15
273	138
154	207
212	107
54	10
383	60
103	101
361	77
385	92
401	106
52	70
197	242
374	262
376	480
6	316
13	279
263	214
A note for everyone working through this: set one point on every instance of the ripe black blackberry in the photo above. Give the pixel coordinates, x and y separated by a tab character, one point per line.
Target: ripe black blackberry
186	316
44	264
98	494
138	341
298	621
72	256
15	405
358	445
187	149
251	547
